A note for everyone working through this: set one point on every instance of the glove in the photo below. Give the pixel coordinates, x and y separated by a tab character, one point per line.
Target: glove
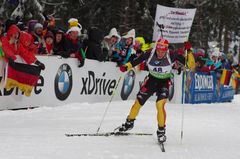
81	64
123	68
40	64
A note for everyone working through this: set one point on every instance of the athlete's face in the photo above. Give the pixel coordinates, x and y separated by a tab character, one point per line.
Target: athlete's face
161	53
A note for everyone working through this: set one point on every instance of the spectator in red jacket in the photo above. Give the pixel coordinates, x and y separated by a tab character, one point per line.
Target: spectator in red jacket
9	42
24	48
27	49
19	43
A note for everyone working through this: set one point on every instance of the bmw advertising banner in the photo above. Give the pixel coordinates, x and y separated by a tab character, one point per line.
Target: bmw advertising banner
63	82
205	88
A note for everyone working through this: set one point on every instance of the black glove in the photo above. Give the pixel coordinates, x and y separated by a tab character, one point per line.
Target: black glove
40	64
81	64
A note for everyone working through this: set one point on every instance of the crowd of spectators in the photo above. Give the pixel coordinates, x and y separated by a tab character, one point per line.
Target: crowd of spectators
35	38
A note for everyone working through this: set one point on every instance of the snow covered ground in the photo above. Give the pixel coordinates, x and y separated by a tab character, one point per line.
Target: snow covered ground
211	131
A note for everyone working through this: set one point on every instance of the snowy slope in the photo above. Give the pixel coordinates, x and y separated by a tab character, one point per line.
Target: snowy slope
210	131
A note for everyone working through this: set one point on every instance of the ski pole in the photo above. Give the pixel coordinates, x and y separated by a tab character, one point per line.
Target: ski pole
106	109
183	100
182	121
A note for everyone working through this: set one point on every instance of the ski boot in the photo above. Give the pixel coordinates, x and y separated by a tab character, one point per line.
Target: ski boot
161	134
128	125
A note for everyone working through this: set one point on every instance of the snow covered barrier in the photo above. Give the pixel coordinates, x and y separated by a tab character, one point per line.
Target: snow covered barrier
62	82
206	88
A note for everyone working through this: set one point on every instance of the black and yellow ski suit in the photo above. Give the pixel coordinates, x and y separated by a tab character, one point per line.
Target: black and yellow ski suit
160	72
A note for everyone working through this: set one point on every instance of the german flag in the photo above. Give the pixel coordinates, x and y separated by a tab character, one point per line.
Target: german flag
226	77
23	76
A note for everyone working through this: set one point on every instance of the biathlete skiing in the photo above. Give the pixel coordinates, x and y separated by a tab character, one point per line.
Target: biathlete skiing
160	69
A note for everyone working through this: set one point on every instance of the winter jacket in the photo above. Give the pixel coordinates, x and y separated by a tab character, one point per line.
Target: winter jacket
106	42
73	47
10	50
26	51
21	49
122	53
58	48
94	45
190	60
39	41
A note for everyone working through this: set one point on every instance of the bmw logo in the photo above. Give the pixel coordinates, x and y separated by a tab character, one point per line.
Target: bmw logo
63	82
128	85
157	62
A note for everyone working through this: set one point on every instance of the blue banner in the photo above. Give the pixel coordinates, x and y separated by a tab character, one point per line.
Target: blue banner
205	88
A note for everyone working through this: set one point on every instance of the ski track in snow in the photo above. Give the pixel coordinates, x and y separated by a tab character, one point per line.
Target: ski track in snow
210	131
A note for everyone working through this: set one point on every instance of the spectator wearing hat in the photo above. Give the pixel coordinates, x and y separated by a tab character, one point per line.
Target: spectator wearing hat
73	22
19	43
72	45
9	42
215	62
140	47
124	49
110	41
9	23
38	37
30	26
224	61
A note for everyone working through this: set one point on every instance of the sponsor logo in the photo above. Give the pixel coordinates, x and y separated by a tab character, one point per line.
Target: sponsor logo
128	85
98	86
203	82
63	82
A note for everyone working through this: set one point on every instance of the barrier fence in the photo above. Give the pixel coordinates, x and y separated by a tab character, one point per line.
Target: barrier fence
62	82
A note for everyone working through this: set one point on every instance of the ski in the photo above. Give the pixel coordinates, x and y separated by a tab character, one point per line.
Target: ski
161	144
110	134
